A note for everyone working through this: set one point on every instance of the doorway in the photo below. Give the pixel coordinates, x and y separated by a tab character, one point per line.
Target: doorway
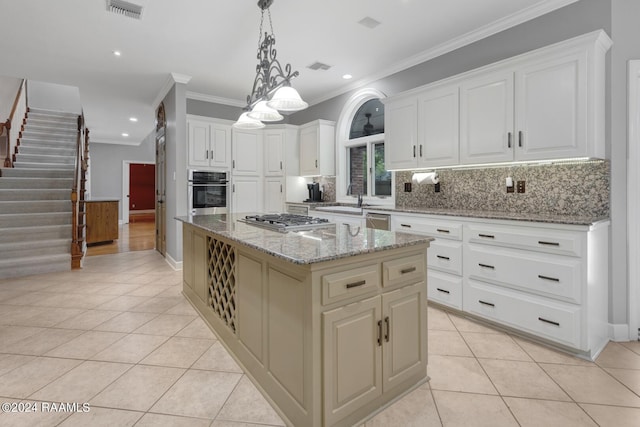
161	208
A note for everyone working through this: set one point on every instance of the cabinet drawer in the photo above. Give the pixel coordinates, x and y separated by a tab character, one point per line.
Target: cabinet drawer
443	229
347	284
445	256
548	275
404	270
540	240
444	288
553	320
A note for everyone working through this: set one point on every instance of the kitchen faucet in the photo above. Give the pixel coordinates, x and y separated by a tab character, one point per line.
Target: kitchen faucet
350	193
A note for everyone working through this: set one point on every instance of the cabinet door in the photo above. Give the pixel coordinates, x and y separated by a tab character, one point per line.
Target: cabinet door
199	137
247	152
404	329
438	127
551	109
274	195
247	194
352	358
486	119
220	146
309	151
273	152
401	129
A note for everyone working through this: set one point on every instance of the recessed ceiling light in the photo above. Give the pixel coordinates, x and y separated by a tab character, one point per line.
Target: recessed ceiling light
347	76
117	53
125	135
133	119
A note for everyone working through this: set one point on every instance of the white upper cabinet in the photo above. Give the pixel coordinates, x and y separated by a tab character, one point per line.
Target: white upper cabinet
438	127
317	148
274	147
247	152
542	105
209	144
401	130
551	108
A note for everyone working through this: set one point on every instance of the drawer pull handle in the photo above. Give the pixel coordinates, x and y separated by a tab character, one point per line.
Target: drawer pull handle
487	266
553	279
379	332
551	322
405	225
542	242
443	257
356	284
442	230
386	335
487	236
444	291
407	270
486	303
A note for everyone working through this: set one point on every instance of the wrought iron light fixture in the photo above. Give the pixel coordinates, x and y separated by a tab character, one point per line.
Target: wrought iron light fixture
272	89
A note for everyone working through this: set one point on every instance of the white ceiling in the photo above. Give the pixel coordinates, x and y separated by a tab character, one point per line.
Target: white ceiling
214	42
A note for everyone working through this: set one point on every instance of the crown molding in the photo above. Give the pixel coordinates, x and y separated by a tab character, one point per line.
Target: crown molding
483	32
172	78
215	99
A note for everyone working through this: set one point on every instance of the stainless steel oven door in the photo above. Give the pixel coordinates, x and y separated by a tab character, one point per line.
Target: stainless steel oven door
208	198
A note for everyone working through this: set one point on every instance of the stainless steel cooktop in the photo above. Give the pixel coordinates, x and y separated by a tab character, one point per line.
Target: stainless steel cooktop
285	222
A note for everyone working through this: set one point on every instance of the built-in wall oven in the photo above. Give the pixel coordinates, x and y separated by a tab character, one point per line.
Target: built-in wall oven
208	192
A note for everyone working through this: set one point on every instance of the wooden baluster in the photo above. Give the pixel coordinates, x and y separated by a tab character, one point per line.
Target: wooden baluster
7	125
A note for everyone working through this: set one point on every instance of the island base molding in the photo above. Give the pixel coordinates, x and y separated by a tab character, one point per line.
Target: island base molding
328	344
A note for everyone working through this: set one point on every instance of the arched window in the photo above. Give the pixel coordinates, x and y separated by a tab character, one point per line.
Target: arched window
360	149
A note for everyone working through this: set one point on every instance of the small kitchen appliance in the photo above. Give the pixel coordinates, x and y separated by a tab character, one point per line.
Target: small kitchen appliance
315	195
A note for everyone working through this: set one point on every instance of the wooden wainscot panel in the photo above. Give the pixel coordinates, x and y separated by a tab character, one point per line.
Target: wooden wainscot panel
250	294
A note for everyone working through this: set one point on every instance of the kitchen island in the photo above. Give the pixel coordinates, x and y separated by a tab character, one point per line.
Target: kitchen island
330	323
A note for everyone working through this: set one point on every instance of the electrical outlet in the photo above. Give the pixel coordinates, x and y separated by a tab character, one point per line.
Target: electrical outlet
436	188
407	187
510	189
521	186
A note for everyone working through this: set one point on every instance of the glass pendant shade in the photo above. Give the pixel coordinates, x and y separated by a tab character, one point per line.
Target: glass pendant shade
287	99
246	122
264	113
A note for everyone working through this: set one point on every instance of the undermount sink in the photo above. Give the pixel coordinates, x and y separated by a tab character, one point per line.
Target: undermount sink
343	209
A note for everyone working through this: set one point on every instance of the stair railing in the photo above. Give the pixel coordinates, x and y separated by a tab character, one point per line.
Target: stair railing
6	126
77	194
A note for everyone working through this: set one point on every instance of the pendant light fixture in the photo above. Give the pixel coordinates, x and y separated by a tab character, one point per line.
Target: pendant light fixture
272	89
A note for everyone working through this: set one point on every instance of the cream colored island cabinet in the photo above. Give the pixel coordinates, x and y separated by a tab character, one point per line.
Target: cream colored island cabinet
330	326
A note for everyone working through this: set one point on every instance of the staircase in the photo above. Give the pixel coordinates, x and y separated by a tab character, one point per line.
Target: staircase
35	196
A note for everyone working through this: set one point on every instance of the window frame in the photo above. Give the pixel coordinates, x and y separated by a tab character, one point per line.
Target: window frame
343	143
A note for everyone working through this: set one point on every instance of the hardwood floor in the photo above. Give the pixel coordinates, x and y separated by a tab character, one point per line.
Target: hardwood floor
135	236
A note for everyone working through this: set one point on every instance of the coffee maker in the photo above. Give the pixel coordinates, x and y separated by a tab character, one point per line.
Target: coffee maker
315	195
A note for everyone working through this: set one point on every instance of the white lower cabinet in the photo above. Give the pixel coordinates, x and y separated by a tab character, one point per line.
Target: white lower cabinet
338	219
444	257
246	194
547	280
544	279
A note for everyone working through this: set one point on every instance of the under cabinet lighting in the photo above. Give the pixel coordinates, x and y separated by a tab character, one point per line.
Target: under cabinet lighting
133	119
117	53
507	164
125	135
347	76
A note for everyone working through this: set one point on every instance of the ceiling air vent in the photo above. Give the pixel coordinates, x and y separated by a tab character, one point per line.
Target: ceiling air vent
319	66
369	22
120	7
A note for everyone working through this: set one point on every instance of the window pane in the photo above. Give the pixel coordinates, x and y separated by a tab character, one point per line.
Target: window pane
382	181
369	120
358	169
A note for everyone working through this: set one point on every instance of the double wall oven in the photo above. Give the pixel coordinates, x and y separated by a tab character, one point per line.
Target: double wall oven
208	192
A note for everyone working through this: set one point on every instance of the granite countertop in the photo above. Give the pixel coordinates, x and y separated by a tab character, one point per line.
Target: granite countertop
528	217
468	213
305	247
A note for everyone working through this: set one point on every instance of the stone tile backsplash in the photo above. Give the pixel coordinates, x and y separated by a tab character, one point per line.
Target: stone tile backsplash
571	188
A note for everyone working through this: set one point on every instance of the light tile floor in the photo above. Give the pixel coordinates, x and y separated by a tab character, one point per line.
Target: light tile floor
119	336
